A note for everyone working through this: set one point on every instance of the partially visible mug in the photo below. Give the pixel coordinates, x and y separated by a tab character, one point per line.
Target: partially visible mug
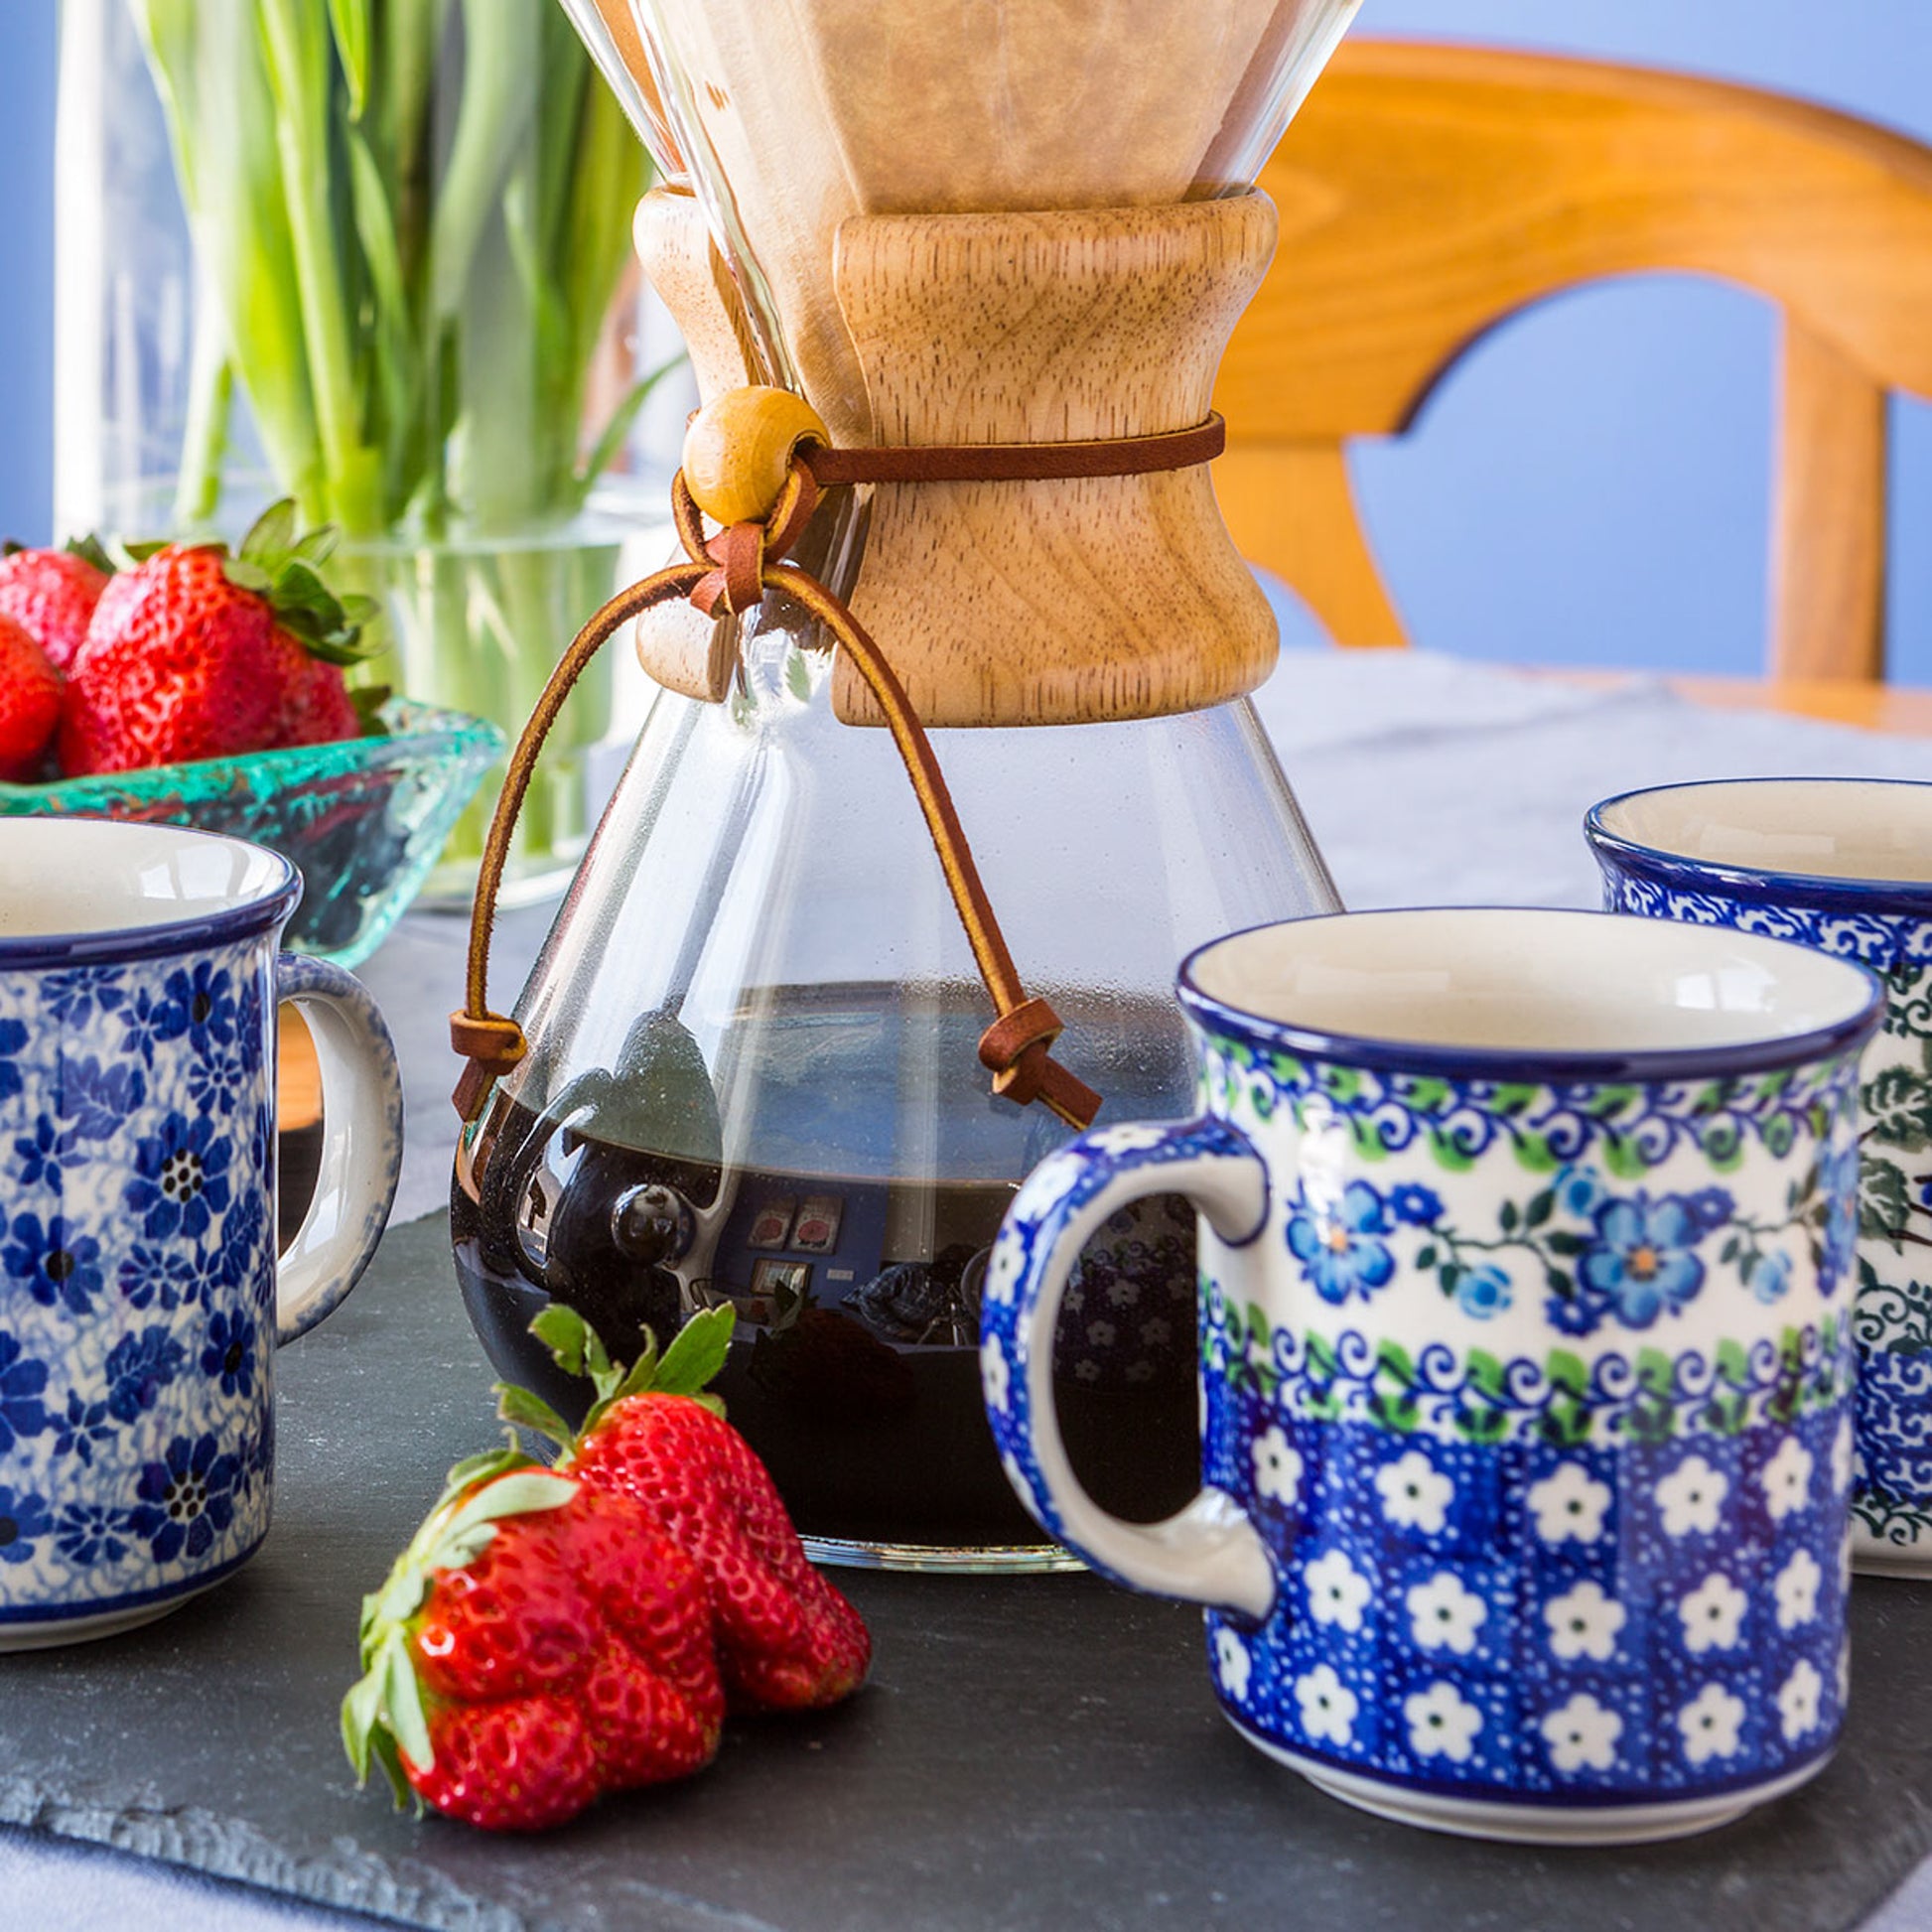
1843	864
1526	1361
141	1296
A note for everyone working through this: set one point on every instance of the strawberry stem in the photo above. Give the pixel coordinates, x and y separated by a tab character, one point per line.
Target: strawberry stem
696	1354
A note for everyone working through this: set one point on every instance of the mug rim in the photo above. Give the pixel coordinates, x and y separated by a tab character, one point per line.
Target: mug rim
265	908
1761	884
1540	1064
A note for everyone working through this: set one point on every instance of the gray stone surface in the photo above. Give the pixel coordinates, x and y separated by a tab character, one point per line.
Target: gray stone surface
1039	1752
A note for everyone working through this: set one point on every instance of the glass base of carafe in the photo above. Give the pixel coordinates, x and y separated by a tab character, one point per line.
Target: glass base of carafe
995	1559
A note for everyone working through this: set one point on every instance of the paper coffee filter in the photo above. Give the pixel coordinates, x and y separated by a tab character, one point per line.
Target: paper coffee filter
795	115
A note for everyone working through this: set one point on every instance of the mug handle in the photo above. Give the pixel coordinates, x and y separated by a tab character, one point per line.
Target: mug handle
1210	1552
361	1149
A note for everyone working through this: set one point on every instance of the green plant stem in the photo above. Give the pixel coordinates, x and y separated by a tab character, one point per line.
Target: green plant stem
296	38
204	437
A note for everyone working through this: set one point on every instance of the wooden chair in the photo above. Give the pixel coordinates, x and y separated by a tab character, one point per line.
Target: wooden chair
1430	193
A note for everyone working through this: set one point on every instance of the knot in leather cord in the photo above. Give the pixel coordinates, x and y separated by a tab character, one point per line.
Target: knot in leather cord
734	583
1014	1050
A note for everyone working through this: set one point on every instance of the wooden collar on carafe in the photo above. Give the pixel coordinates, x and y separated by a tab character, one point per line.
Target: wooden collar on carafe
755	460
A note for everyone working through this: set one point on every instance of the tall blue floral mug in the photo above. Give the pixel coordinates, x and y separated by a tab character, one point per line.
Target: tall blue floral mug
1843	864
140	1292
1526	1362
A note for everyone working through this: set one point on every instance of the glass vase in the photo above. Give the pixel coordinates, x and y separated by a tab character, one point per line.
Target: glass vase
377	260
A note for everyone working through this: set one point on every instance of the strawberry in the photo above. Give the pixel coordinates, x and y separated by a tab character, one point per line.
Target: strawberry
30	701
191	653
316	706
786	1639
537	1644
51	595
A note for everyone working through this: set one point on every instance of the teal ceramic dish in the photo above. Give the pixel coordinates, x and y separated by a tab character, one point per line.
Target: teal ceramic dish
362	819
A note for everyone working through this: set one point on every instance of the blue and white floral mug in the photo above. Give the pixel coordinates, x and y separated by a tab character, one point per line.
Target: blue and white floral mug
140	1291
1526	1361
1843	864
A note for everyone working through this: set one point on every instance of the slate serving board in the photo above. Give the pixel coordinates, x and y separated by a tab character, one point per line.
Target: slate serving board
1030	1753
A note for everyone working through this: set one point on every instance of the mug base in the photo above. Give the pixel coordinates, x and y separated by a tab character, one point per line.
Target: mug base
84	1629
1507	1824
1872	1556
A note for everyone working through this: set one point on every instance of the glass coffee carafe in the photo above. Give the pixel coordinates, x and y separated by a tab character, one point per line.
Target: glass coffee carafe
752	1074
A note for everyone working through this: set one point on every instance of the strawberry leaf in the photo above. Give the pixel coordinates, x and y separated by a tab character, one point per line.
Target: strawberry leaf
317	546
566	1334
696	1354
524	1409
271	536
402	1704
140	552
478	1469
385	1756
511	1495
368	700
399	1597
361	1709
91	549
247	576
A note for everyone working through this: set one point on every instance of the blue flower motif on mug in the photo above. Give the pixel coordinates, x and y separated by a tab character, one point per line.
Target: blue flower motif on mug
1577	1189
161	1278
1770	1280
139	1367
1838	1185
185	1499
149	1018
1644	1259
181	1178
91	1533
24	1519
1414	1494
58	1266
213	1080
23	1384
74	997
1483	1291
37	1154
1278	1467
1419	1207
13	1041
95	1100
203	995
229	1354
1337	1242
80	1428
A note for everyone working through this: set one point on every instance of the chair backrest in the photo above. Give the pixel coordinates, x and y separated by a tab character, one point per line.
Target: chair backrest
1429	192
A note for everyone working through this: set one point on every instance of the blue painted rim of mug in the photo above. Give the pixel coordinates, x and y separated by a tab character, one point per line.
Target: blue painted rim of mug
1819	891
267	911
1553	1066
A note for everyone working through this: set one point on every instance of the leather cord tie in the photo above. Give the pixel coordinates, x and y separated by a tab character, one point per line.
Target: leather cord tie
729	573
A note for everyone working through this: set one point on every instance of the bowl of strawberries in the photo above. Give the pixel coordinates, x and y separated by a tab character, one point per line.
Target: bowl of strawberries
188	684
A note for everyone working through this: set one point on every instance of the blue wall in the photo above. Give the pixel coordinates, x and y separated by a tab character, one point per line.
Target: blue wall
1592	488
26	267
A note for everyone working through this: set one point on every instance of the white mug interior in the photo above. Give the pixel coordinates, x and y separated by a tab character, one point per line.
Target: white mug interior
1546	983
81	876
1875	831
